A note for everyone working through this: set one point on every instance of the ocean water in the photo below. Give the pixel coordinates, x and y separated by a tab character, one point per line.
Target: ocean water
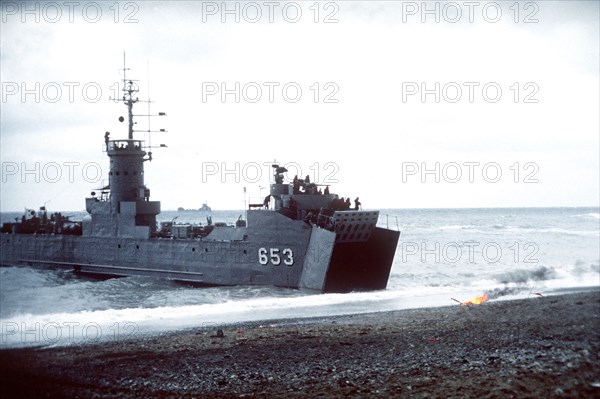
443	255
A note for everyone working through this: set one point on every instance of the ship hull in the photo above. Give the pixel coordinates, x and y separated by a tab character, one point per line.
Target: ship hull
294	256
206	262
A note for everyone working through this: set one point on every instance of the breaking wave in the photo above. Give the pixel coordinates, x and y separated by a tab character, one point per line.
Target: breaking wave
591	215
454	227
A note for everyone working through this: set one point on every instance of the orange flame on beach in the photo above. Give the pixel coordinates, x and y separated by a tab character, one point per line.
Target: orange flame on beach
478	300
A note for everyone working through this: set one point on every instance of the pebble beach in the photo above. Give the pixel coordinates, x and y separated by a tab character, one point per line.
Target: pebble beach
543	346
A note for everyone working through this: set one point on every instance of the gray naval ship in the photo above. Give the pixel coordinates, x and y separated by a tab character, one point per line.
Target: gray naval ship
307	240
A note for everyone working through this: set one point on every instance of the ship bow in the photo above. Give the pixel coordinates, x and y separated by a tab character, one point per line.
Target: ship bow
362	266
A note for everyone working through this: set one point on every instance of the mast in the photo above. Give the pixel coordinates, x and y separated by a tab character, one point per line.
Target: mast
125	208
126	175
129	89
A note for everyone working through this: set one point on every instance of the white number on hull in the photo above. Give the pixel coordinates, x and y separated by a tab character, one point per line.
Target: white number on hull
275	259
273	255
290	256
262	256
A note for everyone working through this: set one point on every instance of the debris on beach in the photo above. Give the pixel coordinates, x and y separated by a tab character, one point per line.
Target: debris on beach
219	334
478	300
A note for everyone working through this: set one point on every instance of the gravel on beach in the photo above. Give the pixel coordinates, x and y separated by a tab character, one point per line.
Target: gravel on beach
541	347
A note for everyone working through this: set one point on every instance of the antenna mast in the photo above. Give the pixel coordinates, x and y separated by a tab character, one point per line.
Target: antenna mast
149	101
129	89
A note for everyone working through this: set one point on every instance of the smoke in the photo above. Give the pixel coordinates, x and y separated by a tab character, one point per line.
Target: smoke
498	292
519	280
582	267
522	276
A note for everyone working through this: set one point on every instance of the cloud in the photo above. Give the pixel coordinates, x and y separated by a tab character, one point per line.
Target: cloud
364	61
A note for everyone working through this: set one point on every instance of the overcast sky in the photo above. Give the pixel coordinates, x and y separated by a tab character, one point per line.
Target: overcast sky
497	101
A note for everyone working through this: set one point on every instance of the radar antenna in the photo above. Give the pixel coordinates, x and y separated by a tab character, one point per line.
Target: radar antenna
130	89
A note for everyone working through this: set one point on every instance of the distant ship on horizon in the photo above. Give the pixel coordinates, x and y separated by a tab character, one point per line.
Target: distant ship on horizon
203	208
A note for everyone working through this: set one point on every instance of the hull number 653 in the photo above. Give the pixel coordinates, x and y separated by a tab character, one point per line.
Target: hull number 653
276	256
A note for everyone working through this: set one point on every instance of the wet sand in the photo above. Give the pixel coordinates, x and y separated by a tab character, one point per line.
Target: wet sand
541	347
